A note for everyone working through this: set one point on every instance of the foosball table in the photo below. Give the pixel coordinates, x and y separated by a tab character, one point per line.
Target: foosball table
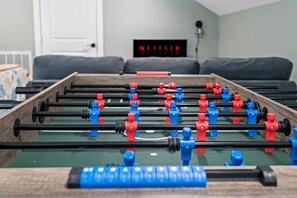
125	135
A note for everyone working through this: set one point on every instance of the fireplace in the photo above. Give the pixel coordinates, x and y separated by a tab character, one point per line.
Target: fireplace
160	48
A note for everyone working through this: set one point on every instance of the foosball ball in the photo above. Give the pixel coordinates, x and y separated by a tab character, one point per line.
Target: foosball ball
125	135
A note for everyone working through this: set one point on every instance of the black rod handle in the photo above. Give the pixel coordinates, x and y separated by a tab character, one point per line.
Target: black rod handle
8	104
28	90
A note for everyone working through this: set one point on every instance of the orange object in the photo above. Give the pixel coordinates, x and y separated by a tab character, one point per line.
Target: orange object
150	73
4	67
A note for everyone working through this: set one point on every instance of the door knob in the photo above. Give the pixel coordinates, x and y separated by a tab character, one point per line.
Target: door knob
93	45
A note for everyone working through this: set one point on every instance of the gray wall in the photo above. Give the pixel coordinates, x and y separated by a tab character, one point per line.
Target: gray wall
16	25
269	30
125	20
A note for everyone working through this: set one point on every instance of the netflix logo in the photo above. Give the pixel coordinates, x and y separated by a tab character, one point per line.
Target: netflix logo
160	48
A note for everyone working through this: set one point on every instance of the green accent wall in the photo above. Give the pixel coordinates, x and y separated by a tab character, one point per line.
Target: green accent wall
269	30
157	19
123	21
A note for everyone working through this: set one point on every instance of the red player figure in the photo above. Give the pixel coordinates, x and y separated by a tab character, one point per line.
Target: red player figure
203	103
161	90
167	120
100	102
217	91
100	120
172	85
209	86
271	128
168	101
237	104
133	85
130	127
135	99
201	127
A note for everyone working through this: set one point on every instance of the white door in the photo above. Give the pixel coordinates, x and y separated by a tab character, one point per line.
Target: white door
69	27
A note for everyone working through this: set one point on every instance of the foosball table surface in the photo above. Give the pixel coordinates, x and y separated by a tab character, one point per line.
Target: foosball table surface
35	173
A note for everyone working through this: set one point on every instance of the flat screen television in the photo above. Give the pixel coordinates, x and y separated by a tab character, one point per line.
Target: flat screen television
159	48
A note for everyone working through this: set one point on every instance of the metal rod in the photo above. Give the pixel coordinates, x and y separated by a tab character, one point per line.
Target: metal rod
142	114
279	92
79	145
243	144
8	104
153	91
59	114
68	104
233	175
282	97
127	86
140	126
141	144
127	104
260	87
28	90
140	97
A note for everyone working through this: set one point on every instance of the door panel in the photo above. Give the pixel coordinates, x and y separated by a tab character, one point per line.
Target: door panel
69	27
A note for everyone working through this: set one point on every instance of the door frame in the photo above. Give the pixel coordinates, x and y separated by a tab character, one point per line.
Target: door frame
38	35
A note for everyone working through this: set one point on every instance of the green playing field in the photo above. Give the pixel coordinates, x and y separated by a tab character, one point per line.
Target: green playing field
151	156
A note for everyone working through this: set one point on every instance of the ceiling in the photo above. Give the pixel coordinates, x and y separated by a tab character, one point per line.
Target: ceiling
222	7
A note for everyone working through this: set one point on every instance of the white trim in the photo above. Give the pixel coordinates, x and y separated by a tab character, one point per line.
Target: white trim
100	27
29	67
37	28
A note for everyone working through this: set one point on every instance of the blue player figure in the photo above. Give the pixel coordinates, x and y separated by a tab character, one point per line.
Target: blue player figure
94	115
173	114
236	159
187	144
